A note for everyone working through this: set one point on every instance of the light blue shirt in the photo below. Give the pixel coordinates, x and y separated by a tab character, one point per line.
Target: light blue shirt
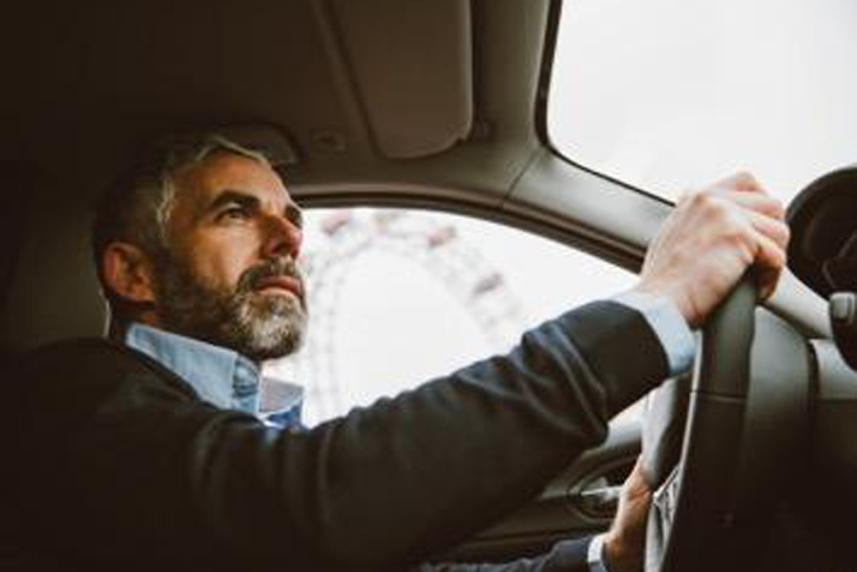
595	555
669	326
221	377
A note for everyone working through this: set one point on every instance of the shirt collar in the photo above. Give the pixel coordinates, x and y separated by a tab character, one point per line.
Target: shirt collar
220	376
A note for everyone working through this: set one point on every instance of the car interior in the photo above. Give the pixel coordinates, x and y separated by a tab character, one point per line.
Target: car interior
440	105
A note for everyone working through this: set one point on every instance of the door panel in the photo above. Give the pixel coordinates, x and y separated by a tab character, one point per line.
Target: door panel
580	501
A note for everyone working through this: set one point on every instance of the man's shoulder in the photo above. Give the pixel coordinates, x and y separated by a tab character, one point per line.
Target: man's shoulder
80	355
91	364
79	349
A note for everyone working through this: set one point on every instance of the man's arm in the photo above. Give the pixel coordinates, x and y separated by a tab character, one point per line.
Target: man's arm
621	549
116	450
149	470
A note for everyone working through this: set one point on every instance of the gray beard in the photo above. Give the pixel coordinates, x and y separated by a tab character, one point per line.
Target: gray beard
256	325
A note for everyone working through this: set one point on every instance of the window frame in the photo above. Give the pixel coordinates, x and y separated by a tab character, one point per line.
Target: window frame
542	101
537	227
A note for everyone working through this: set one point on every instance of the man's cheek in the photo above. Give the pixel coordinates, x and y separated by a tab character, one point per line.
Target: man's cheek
223	274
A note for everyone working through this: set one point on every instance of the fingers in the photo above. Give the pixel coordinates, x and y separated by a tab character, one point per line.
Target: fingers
741	181
770	261
769	254
638	480
760	212
766	281
709	241
760	202
744	187
774	229
765	214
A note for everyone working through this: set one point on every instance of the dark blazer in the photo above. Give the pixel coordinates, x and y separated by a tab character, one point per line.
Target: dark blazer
114	462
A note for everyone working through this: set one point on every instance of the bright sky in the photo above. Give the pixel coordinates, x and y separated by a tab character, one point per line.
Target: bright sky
672	94
664	94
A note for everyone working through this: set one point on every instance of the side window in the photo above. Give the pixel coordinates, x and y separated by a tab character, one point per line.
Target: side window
397	297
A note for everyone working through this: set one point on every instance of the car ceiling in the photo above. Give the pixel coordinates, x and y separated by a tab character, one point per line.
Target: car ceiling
386	101
351	86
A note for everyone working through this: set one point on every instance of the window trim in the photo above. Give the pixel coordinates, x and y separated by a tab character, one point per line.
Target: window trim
541	111
568	237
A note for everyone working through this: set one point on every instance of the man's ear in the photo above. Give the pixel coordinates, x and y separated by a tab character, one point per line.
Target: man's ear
128	272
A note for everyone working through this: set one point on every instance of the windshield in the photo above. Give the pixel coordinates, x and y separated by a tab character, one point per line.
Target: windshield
668	94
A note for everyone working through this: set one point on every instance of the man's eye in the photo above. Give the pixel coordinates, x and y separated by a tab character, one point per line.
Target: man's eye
234	213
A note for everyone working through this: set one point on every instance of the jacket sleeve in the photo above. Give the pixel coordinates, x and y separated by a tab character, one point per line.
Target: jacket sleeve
117	449
564	556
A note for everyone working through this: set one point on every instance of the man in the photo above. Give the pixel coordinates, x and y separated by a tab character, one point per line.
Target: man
144	451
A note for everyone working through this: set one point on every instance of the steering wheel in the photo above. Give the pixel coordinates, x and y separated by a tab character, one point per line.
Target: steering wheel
723	449
692	444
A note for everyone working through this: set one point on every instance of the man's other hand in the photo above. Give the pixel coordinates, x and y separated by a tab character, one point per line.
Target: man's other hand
710	239
624	544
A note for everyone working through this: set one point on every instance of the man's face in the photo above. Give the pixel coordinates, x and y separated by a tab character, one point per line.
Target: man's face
229	277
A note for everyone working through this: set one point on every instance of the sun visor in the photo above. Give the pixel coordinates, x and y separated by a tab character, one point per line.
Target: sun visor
411	63
823	222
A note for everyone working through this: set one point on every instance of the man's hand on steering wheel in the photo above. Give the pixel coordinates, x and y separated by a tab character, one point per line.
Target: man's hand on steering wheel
709	240
698	256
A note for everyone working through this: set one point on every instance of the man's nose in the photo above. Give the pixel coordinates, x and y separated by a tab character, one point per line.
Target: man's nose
282	238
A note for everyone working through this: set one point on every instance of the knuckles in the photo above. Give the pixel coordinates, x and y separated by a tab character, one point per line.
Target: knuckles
725	221
712	208
735	225
702	202
745	179
778	210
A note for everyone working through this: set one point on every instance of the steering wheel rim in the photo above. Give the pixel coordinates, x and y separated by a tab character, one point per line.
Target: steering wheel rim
696	504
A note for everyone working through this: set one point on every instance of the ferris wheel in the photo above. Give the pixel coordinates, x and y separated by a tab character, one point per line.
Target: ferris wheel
431	241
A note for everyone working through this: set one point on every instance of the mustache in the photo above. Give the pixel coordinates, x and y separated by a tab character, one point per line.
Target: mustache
271	268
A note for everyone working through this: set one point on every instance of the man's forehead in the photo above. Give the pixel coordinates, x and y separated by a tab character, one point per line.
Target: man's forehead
201	183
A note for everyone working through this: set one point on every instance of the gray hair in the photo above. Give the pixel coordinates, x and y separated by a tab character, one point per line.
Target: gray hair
137	206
